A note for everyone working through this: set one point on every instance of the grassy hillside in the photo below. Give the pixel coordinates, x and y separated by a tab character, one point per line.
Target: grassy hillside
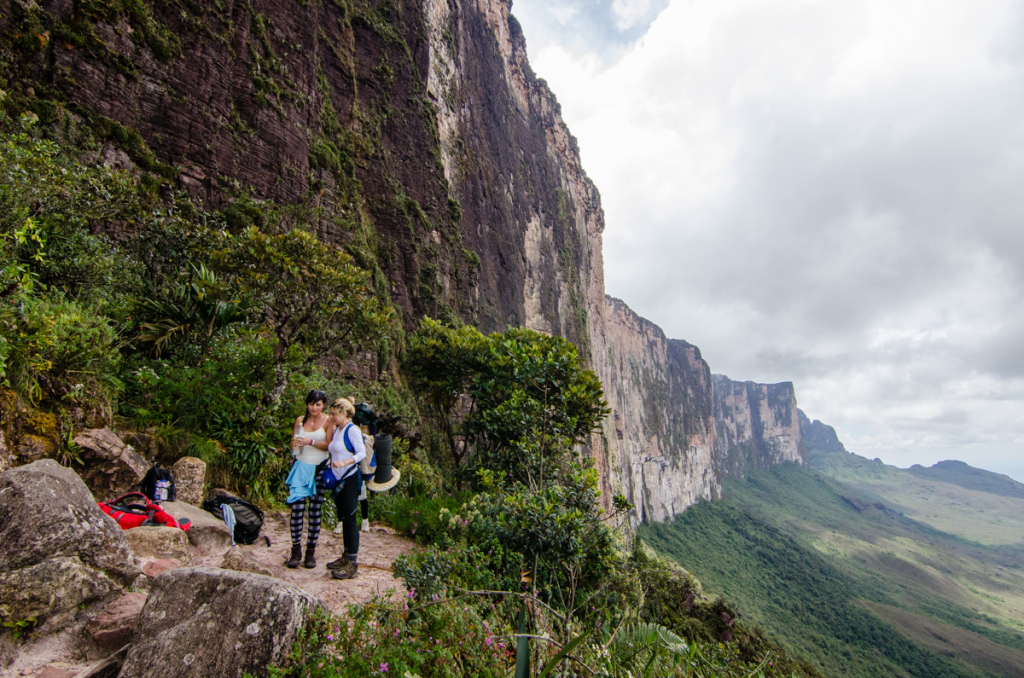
849	583
965	475
951	496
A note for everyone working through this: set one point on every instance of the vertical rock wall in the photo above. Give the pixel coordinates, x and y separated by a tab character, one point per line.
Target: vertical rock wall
756	425
676	431
416	135
661	431
528	209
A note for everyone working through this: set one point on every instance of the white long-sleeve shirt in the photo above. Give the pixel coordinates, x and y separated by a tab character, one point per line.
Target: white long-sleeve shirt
339	451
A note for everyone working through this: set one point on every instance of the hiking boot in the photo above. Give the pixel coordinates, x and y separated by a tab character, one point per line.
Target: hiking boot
339	563
365	527
310	557
346	572
296	558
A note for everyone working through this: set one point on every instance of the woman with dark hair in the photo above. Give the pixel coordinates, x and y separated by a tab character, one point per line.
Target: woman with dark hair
305	480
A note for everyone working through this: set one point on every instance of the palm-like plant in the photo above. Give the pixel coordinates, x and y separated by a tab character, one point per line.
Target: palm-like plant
195	311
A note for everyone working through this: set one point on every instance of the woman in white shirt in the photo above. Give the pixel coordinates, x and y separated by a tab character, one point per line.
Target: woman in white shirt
347	450
305	481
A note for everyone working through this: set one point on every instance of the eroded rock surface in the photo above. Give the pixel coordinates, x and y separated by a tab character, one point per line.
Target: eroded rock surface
6	458
115	627
239	559
111	468
210	622
207	531
159	542
59	550
189	475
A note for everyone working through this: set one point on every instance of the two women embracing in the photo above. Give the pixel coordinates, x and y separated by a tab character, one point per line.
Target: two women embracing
326	443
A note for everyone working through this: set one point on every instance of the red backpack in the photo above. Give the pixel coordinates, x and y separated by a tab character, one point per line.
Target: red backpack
145	512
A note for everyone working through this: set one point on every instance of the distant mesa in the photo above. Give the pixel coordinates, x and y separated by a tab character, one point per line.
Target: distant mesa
971	478
818	437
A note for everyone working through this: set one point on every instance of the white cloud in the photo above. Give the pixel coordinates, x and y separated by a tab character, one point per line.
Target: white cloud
826	191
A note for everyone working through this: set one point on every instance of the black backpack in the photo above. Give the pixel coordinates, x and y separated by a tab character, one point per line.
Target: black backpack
158	484
366	417
248	518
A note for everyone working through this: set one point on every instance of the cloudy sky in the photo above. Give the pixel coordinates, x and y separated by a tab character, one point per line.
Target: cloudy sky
829	192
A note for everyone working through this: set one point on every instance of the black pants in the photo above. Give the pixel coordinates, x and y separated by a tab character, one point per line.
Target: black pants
346	500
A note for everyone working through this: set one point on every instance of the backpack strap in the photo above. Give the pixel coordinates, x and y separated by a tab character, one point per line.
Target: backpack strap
348	443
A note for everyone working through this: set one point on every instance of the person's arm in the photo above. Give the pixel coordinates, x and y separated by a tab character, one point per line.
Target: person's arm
295	436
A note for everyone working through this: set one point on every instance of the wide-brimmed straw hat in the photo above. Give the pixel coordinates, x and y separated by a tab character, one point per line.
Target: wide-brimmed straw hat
385	485
385	477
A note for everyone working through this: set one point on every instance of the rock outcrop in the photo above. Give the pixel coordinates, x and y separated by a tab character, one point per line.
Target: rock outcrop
59	550
159	542
189	476
115	626
240	560
662	431
210	622
756	426
676	431
110	467
819	436
207	532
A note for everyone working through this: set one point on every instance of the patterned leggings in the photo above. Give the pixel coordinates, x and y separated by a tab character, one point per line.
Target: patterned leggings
316	503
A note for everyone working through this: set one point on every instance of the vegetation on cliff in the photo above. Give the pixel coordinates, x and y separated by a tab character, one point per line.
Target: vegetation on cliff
126	303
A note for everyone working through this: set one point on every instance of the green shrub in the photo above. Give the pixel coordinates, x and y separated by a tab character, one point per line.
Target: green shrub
58	351
465	639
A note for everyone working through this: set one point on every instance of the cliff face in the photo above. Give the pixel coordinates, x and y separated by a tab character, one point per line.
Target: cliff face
819	436
662	428
416	135
757	425
677	431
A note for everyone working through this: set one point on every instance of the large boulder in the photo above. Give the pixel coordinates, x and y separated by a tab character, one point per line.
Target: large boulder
203	621
189	476
59	550
159	542
111	468
207	533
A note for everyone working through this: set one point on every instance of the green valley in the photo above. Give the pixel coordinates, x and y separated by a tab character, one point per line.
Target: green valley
857	576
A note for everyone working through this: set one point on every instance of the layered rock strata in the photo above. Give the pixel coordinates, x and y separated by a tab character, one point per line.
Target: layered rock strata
417	136
756	426
661	433
676	431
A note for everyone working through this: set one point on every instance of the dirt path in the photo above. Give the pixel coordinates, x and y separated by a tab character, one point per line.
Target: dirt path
378	548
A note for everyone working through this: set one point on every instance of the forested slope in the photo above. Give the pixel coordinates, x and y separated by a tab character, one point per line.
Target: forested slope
853	586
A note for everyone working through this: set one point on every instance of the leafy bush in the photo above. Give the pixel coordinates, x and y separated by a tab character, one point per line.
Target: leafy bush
58	351
447	640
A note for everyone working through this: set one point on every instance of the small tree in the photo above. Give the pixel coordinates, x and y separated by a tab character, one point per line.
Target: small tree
192	313
532	404
442	363
308	294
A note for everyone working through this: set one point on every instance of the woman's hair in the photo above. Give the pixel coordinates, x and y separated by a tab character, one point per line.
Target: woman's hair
344	405
314	396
